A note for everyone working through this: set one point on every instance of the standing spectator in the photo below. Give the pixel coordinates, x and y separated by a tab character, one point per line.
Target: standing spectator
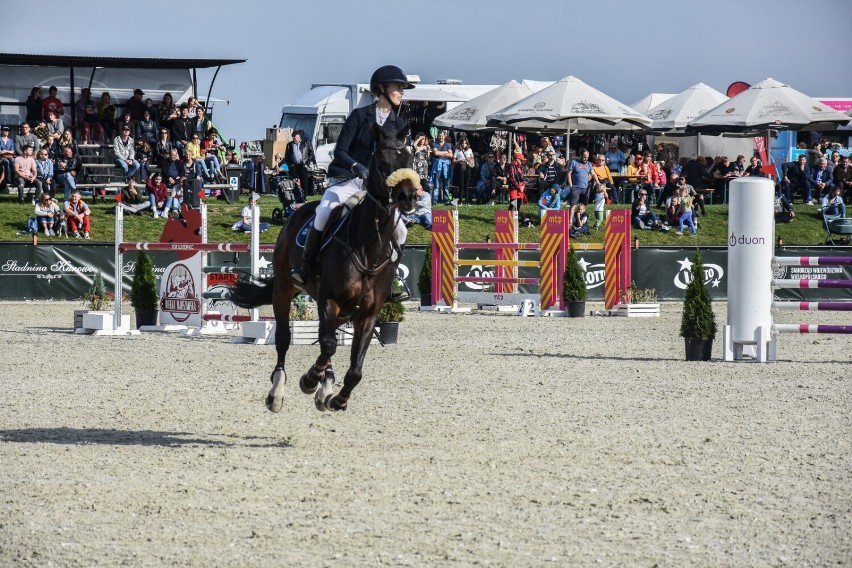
464	163
298	155
106	115
44	181
159	196
7	153
604	176
421	158
684	213
821	179
182	128
26	138
600	206
643	217
25	170
135	106
52	103
163	148
422	210
693	173
87	114
47	214
441	174
615	159
125	153
132	200
78	215
516	182
580	174
841	176
797	176
167	112
146	129
66	168
35	110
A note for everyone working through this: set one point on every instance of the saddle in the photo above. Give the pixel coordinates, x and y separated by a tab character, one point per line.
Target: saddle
338	220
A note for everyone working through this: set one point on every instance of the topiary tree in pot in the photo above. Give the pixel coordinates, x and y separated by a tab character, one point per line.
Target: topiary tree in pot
698	324
574	290
144	296
424	281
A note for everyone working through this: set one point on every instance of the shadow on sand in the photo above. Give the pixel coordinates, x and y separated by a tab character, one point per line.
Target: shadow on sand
83	436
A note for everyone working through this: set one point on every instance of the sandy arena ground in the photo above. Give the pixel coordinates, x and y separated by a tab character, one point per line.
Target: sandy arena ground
478	440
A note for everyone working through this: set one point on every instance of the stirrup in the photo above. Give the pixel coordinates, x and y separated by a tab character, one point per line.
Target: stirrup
297	277
399	291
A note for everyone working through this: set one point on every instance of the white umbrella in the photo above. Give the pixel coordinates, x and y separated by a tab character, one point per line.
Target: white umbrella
768	105
650	101
570	104
674	114
472	115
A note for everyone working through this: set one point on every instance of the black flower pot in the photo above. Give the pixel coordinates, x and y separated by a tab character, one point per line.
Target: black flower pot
576	309
146	317
425	298
698	349
389	331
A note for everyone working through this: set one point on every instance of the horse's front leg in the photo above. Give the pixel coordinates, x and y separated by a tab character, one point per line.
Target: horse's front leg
363	334
321	375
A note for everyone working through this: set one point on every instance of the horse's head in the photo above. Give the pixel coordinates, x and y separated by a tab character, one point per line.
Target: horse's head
392	155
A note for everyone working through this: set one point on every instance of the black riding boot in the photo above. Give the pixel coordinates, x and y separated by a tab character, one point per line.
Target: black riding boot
312	245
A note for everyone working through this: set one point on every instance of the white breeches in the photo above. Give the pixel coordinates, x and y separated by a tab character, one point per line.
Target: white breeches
336	195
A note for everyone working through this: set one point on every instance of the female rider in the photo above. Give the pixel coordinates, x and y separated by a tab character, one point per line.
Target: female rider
352	153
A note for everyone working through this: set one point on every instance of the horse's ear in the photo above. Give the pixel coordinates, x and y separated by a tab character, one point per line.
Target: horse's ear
402	135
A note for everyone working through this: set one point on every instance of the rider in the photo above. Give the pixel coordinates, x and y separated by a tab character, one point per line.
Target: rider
349	169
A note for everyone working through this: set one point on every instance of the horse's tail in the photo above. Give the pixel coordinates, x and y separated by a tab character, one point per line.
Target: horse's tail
250	292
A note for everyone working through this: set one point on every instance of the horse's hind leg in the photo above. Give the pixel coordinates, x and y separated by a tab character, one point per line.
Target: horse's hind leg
360	342
281	306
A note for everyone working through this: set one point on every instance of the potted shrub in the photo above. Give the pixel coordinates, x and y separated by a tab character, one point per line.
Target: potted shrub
96	299
574	290
424	281
388	321
144	296
698	325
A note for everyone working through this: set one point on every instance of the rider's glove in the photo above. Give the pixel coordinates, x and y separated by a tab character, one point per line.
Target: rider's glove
360	171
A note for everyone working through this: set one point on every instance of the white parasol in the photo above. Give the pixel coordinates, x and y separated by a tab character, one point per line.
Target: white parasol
672	115
472	115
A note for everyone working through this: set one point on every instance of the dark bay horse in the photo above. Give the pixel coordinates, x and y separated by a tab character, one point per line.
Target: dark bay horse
351	279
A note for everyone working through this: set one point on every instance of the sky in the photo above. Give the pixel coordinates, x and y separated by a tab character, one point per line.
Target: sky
627	49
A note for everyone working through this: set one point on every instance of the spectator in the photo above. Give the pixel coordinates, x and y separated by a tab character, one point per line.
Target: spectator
547	148
192	177
167	112
821	179
182	128
663	153
66	140
146	128
163	148
87	115
579	222
488	183
131	200
193	148
246	222
615	159
600	205
144	155
41	132
212	146
549	200
125	121
134	107
422	210
47	214
66	167
783	208
25	170
106	115
833	162
149	106
159	196
753	168
684	212
548	173
78	215
55	126
441	174
841	176
797	176
173	170
26	138
738	166
35	110
125	153
604	176
464	163
641	214
832	203
52	103
517	185
201	123
580	174
421	158
7	154
298	155
44	181
694	175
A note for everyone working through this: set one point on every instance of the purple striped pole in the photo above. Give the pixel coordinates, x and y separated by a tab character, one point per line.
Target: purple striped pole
812	260
497	280
806	328
811	283
234	318
493	246
813	306
205	247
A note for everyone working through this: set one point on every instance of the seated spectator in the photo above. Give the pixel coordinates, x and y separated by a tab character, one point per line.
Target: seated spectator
125	120
615	159
160	197
550	200
579	222
26	137
193	148
422	210
106	115
182	128
131	200
134	107
841	176
783	208
26	172
488	185
684	212
67	139
753	168
821	181
125	153
163	148
201	124
66	168
44	181
173	170
48	215
212	147
7	154
641	214
144	153
193	180
55	127
549	173
43	134
246	222
146	129
87	114
167	112
78	215
796	176
832	203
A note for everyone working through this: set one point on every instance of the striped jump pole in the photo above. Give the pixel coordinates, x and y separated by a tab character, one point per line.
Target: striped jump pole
812	260
809	328
813	306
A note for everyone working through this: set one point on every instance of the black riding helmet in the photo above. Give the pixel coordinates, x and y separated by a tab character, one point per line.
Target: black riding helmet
388	74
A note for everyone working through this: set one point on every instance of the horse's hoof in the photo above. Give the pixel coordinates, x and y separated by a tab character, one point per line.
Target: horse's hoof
309	383
319	403
274	404
335	403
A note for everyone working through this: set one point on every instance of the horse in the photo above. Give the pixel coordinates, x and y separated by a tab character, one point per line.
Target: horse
351	278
